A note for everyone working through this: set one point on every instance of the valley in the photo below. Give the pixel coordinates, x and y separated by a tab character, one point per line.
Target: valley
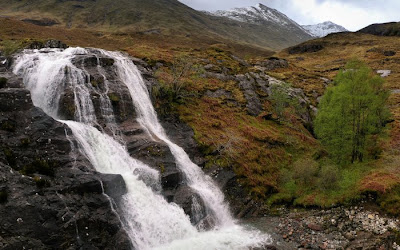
242	106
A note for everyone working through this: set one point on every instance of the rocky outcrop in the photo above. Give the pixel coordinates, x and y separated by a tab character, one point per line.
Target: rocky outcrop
273	63
47	44
50	196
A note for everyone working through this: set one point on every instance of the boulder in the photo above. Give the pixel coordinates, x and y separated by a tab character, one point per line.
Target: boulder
193	205
113	185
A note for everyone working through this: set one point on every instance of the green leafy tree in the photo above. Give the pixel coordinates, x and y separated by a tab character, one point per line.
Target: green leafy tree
352	113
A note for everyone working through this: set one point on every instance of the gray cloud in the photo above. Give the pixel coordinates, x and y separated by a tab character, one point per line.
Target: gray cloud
352	14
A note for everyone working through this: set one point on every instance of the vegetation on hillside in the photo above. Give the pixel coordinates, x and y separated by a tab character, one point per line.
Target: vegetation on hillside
276	158
352	114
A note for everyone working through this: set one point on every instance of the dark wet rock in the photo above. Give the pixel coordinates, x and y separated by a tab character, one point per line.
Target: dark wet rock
93	61
241	202
171	179
8	79
183	135
66	109
55	44
114	185
13	100
306	48
266	247
53	197
84	184
193	205
47	44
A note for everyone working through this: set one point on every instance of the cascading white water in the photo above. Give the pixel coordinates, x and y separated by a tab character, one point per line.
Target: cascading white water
150	220
201	183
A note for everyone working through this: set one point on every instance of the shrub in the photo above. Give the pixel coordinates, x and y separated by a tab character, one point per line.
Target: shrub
328	177
305	171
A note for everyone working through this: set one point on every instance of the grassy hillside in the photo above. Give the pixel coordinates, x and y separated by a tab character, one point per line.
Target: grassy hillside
16	34
277	160
150	17
386	29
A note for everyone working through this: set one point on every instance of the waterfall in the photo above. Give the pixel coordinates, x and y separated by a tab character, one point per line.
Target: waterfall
204	186
151	222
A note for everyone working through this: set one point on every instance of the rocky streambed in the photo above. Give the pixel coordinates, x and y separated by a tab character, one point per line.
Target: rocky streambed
356	227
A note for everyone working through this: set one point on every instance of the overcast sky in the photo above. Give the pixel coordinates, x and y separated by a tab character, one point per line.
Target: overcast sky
352	14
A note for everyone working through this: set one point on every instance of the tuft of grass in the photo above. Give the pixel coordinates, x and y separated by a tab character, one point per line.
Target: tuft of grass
114	98
8	125
39	166
390	201
41	182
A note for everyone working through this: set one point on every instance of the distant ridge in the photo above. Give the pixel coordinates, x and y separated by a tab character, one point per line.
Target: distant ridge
323	29
383	29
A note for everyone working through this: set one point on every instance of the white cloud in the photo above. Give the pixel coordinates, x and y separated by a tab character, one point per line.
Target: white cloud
352	14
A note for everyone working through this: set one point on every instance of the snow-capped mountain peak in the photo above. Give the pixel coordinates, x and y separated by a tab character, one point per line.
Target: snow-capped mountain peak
256	14
264	16
323	29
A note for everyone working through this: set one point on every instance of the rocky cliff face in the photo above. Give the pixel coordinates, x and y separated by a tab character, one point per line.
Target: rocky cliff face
49	189
50	196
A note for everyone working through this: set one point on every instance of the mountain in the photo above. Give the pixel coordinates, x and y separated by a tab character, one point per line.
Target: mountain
323	29
265	16
162	18
384	29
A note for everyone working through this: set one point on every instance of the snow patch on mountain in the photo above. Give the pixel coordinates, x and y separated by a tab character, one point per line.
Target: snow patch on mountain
323	29
258	14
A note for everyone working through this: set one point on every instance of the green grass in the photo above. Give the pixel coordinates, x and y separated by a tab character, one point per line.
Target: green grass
8	47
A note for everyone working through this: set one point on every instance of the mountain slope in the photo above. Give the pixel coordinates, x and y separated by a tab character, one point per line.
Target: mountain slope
265	16
384	29
323	29
156	17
